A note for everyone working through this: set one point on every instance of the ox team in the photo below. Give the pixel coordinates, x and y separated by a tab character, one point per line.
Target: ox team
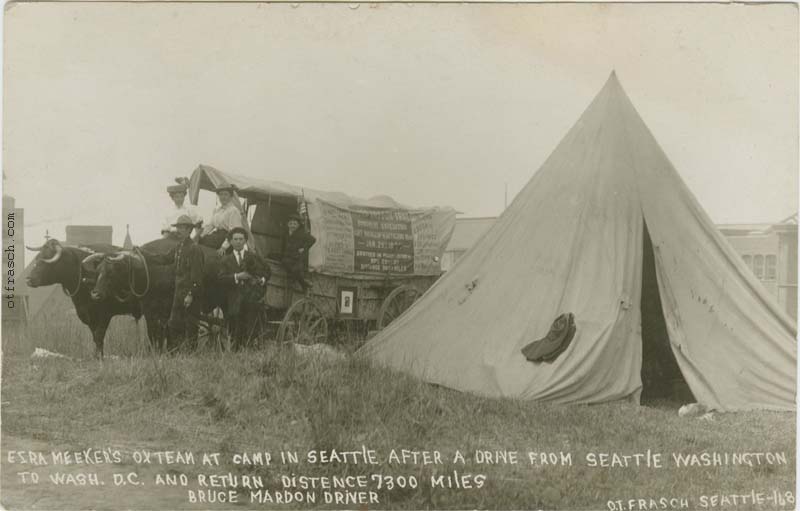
193	269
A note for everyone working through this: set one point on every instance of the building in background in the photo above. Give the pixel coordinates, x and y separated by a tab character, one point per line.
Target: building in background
89	235
759	249
787	263
769	250
466	233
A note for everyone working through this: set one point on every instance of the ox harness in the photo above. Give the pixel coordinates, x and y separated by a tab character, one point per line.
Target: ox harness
132	278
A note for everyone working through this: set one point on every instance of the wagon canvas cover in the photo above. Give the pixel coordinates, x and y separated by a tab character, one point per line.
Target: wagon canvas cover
572	241
354	236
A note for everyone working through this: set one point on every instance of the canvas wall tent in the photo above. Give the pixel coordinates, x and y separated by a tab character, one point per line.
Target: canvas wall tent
573	241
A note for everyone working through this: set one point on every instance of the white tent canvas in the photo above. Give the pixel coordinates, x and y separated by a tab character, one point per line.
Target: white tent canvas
572	241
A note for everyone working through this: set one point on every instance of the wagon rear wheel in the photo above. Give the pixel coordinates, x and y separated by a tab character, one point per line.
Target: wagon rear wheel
303	323
395	304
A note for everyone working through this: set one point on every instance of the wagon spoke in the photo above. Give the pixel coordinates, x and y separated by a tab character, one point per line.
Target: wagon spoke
398	301
315	325
305	319
304	323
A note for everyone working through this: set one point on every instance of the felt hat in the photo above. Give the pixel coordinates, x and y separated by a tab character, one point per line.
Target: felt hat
183	220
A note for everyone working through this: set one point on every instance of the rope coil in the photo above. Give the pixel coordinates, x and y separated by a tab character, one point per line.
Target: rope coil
131	276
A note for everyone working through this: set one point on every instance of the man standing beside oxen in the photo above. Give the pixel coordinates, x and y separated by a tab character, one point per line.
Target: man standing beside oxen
186	302
244	276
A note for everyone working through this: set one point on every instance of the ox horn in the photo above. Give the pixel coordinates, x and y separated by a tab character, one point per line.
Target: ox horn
59	251
35	249
118	257
92	258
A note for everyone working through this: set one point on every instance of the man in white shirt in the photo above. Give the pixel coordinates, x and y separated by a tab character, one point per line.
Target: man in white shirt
179	208
244	275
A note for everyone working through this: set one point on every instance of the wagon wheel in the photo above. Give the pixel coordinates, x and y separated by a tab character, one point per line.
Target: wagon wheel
303	323
259	327
212	333
263	328
395	304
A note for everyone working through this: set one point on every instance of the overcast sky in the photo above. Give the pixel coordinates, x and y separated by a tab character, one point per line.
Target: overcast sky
432	104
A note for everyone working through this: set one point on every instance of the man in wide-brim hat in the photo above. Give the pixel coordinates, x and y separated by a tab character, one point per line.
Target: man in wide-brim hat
188	260
183	221
225	218
177	193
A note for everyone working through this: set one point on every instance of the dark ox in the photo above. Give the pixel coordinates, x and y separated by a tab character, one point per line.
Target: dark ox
57	264
135	275
124	278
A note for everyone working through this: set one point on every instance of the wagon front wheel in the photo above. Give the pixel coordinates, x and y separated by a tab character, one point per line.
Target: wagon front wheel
400	299
303	323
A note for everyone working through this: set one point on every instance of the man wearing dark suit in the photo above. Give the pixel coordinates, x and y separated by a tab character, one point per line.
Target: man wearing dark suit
295	251
188	260
244	275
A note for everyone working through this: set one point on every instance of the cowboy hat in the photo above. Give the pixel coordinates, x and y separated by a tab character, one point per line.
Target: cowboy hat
183	220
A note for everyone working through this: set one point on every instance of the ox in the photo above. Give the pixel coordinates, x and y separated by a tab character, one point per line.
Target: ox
128	279
136	275
57	264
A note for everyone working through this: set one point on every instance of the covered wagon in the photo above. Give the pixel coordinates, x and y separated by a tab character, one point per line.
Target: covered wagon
372	258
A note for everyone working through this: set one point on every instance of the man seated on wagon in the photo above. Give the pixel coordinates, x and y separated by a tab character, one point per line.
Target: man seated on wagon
244	275
179	208
295	251
224	219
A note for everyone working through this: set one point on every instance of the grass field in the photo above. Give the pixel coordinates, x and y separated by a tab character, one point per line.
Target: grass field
276	400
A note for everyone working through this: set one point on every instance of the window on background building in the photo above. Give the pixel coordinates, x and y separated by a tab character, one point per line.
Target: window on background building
770	267
758	266
748	260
